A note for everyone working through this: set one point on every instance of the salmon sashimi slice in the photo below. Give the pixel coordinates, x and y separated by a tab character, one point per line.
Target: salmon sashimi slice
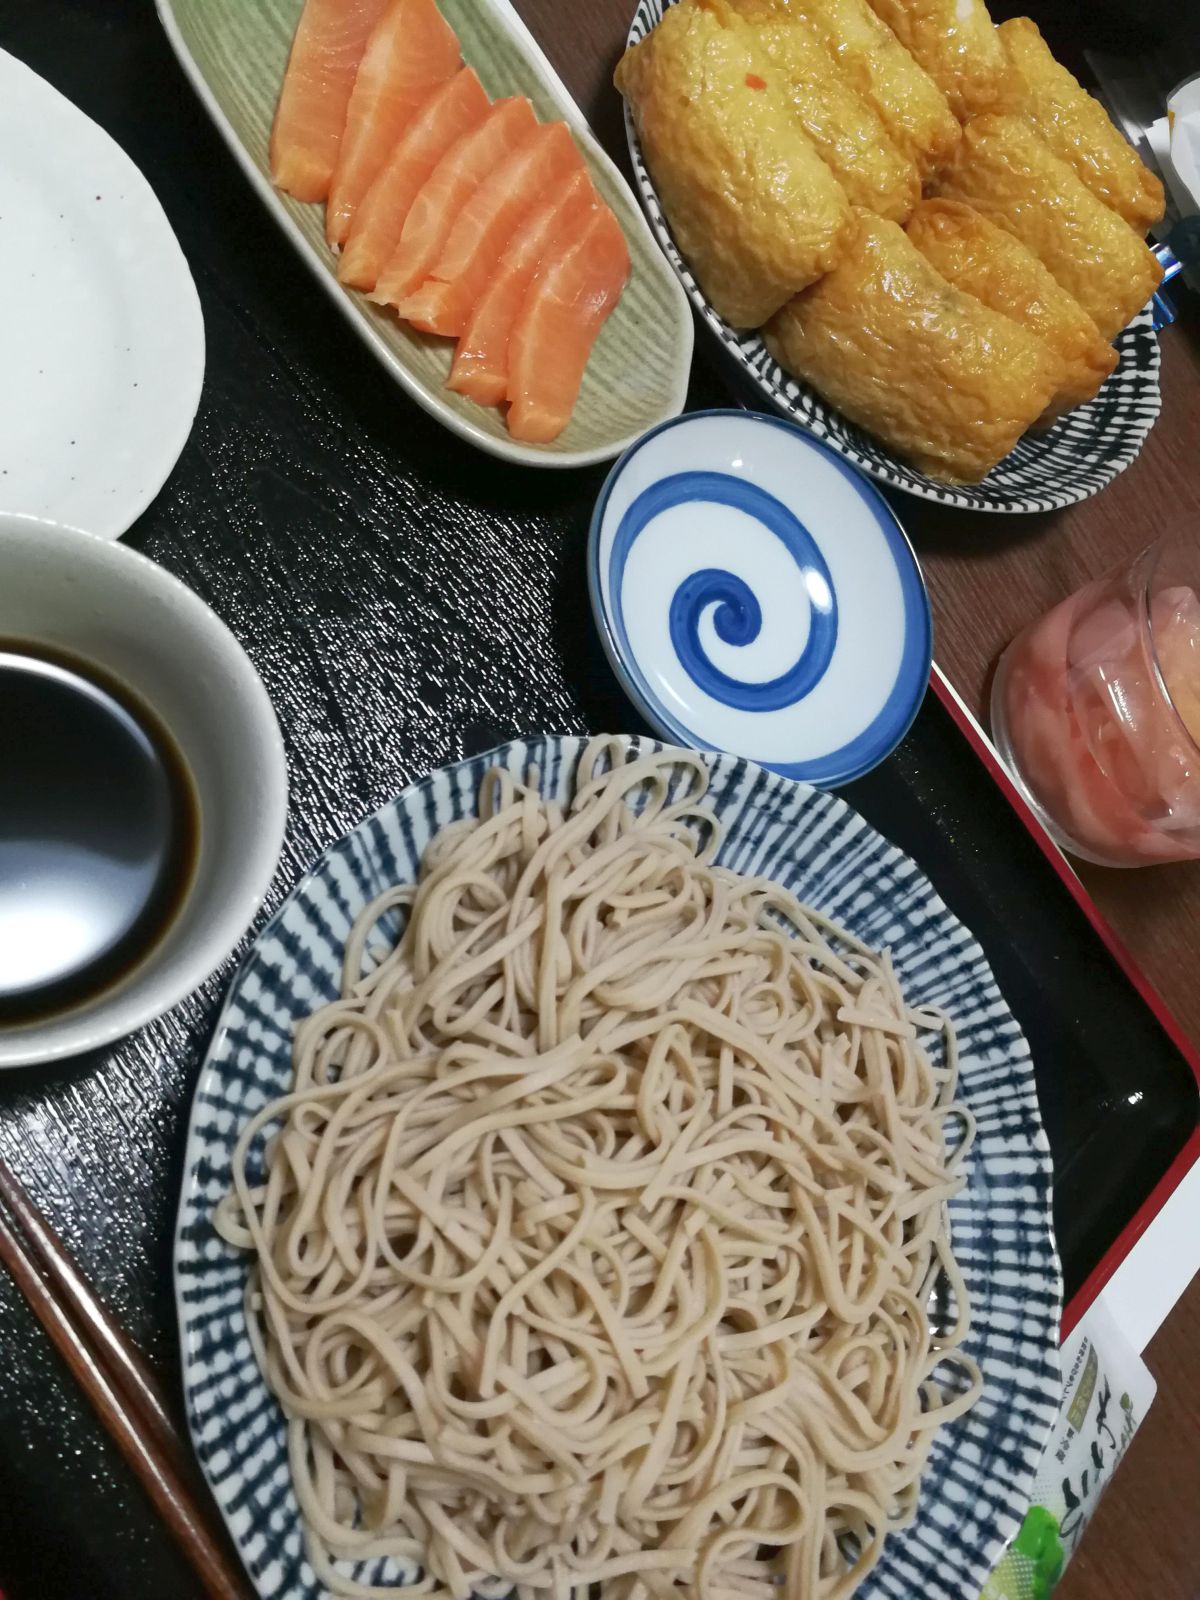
445	192
311	114
445	301
566	307
480	369
458	106
411	51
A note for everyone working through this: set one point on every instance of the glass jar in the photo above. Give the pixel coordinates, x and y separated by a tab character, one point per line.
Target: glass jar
1096	712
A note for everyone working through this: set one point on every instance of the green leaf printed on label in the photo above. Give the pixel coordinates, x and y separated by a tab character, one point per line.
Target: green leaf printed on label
1033	1563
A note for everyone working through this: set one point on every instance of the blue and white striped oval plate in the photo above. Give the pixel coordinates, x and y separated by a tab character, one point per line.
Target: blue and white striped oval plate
977	1482
1076	458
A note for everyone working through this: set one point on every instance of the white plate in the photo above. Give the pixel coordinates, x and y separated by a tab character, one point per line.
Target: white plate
100	323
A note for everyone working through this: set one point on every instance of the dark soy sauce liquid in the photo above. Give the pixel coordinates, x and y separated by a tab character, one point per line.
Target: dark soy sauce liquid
99	831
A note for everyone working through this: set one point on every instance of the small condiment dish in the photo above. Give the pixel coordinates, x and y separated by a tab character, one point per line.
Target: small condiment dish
756	595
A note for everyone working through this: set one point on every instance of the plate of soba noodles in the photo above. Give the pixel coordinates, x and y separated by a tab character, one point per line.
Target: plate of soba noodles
615	1173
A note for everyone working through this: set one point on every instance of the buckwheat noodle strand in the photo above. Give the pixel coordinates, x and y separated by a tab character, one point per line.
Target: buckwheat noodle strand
594	1241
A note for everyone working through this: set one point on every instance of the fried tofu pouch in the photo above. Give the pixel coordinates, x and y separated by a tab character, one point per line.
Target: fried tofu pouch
1004	170
958	46
752	206
1077	128
931	372
848	134
984	261
876	65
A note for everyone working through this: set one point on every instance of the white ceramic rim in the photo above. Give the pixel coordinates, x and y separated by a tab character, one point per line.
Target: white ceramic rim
127	1011
187	378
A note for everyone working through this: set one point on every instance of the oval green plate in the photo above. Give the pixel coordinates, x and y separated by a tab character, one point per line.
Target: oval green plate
235	51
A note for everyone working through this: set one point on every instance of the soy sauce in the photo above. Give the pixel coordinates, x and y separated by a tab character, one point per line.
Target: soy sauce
99	831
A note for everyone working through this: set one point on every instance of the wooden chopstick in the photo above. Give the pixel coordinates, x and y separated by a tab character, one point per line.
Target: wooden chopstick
160	1466
124	1362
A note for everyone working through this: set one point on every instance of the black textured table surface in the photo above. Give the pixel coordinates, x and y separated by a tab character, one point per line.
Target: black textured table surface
407	600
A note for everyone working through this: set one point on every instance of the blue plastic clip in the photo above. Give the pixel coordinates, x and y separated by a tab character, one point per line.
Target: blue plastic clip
1185	242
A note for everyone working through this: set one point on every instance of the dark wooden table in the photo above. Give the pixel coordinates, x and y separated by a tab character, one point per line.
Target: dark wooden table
293	458
1145	1541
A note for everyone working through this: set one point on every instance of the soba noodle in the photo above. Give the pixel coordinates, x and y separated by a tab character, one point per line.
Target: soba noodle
595	1238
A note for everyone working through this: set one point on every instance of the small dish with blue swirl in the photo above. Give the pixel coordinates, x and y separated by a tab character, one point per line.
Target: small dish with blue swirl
756	595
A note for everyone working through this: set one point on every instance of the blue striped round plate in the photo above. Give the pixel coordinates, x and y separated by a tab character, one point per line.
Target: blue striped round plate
977	1482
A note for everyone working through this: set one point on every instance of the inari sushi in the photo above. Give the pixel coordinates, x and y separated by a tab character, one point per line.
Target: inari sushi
847	131
1077	128
752	206
985	261
876	65
957	44
936	375
1003	169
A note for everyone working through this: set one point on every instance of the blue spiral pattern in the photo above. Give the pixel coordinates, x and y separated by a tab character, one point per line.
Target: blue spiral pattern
738	615
729	606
